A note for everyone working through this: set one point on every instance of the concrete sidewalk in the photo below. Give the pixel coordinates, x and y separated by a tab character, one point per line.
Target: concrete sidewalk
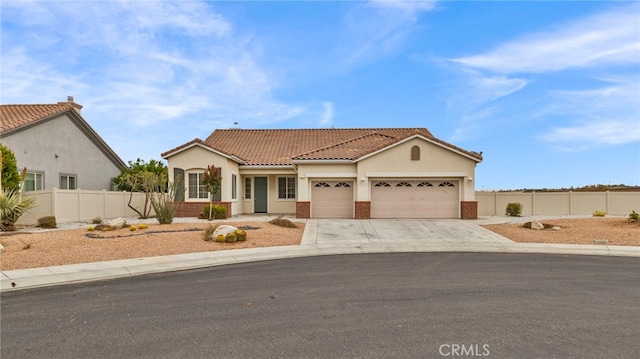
321	237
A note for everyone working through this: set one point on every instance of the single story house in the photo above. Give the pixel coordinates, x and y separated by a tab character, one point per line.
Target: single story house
58	147
329	173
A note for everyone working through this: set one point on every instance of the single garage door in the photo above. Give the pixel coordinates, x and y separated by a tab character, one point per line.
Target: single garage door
332	199
415	199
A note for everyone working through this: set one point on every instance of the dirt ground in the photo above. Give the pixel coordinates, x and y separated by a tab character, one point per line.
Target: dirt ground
617	231
58	247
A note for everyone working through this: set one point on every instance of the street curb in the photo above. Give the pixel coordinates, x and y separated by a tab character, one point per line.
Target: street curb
78	273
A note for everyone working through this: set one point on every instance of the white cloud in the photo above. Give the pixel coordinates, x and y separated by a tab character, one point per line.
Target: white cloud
608	115
379	28
405	5
117	60
601	39
327	114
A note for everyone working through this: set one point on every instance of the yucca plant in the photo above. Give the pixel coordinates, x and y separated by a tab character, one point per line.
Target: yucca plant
12	206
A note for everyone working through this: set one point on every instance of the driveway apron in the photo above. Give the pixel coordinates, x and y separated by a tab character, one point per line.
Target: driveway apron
428	231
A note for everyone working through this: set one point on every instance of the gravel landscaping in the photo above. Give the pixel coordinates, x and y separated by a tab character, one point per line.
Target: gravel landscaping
72	242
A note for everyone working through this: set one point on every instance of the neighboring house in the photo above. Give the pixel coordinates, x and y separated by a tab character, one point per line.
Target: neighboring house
58	147
330	173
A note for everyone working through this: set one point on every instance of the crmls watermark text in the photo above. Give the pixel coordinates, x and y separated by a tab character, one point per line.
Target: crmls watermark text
464	350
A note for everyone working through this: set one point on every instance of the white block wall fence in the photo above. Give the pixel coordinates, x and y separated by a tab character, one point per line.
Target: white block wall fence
559	203
81	205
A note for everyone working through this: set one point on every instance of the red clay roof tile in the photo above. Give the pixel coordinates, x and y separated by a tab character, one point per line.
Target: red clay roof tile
15	116
281	146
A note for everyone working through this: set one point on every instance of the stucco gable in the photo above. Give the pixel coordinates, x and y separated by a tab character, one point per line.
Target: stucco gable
475	156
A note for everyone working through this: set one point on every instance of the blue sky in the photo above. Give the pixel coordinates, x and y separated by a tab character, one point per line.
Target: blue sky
549	91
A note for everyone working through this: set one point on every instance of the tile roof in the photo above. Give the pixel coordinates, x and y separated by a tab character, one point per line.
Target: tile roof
16	116
281	146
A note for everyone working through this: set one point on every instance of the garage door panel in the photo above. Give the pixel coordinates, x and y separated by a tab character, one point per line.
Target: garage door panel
332	199
414	199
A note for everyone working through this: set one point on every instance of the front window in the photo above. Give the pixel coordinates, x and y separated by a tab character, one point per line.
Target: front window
234	186
68	182
34	181
286	187
247	187
197	189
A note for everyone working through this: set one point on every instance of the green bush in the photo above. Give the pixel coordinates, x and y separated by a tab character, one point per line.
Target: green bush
599	214
47	222
633	216
217	212
241	235
514	209
10	175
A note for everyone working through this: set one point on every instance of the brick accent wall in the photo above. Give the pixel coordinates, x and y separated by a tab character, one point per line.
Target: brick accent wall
363	210
469	210
303	209
194	209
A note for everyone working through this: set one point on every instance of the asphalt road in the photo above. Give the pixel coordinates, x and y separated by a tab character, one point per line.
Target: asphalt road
413	305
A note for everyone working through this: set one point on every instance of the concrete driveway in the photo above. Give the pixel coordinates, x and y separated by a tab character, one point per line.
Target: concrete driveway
426	231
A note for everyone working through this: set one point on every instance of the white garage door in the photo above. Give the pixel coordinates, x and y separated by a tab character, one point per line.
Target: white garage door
332	199
415	199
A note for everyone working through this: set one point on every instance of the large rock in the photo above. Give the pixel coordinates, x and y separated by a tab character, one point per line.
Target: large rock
117	223
536	225
224	230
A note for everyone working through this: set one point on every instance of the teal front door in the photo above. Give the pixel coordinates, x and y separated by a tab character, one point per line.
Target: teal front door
260	198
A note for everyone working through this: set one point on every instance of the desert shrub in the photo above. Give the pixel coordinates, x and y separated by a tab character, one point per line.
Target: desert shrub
47	222
142	226
633	217
282	222
599	214
230	237
241	235
103	227
220	238
133	228
217	212
90	229
514	209
208	232
12	207
96	220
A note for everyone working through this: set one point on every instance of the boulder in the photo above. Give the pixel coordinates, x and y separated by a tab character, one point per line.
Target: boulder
223	229
117	223
536	225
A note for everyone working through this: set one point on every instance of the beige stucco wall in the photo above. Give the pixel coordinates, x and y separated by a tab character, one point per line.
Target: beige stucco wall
311	172
435	162
196	159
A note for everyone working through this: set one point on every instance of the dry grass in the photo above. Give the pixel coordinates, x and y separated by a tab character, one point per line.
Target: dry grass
41	249
617	231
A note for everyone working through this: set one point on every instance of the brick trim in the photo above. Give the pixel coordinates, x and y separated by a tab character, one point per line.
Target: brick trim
303	209
363	209
469	210
194	209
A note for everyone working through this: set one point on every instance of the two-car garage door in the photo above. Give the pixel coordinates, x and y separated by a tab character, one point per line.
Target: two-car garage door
414	199
389	199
